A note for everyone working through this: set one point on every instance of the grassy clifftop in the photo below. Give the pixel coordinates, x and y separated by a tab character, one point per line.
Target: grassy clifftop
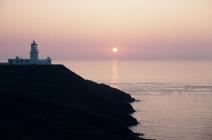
51	102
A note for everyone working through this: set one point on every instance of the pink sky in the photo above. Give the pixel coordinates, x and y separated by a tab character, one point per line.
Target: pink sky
89	29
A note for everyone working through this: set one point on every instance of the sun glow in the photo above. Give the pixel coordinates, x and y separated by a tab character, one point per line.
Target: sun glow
115	50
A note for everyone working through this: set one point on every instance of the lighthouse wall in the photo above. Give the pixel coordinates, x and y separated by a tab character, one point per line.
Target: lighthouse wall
29	62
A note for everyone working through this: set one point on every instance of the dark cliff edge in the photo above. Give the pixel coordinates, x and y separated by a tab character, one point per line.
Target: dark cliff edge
53	103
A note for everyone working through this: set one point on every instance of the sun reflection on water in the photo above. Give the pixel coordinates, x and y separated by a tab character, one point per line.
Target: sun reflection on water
114	78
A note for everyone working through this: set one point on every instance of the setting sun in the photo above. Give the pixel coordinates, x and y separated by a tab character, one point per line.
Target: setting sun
115	50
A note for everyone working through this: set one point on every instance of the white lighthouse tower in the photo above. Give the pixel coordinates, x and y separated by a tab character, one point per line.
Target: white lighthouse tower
34	59
34	53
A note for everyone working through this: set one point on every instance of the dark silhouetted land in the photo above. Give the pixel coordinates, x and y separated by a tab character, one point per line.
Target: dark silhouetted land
53	103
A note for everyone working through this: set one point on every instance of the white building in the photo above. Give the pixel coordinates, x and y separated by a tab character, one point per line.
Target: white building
34	59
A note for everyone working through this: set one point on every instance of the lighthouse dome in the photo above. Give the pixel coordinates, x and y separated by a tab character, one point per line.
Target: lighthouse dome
34	43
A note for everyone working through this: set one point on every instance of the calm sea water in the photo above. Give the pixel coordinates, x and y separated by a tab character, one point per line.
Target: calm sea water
175	97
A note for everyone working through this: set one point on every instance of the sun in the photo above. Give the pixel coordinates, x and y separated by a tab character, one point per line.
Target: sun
115	50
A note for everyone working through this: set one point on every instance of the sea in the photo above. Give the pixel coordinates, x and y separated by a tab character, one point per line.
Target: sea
174	97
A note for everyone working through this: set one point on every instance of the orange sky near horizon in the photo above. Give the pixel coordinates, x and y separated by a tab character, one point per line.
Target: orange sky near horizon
65	29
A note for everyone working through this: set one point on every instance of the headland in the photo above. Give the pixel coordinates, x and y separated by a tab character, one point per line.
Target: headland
51	102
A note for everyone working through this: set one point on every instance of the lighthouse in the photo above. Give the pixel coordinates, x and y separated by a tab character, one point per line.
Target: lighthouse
34	53
34	58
